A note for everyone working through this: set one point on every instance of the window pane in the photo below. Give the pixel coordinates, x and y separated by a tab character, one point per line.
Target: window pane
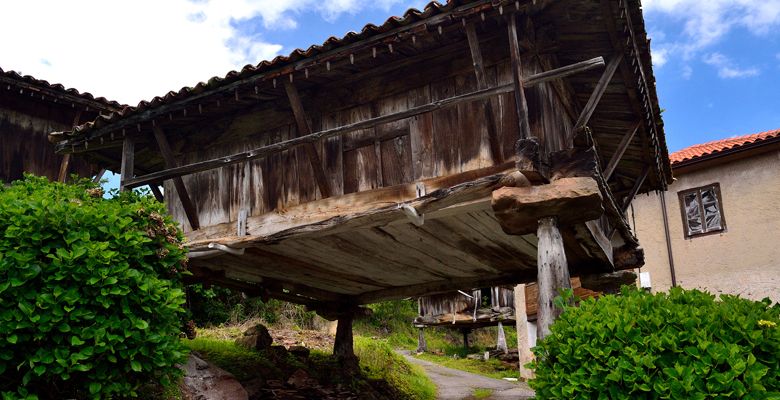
711	210
692	214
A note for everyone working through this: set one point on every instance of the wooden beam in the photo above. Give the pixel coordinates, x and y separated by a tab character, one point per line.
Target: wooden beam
552	276
634	190
621	149
99	175
304	130
598	92
261	152
521	106
178	183
157	193
487	106
128	163
63	175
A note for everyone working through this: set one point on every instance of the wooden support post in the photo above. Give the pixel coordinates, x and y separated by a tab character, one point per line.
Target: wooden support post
634	190
487	106
521	106
465	332
63	174
422	346
595	97
501	342
304	130
178	183
621	149
128	162
157	193
553	274
523	341
343	347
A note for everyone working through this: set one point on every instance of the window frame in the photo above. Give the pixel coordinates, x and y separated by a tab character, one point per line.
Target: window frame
697	190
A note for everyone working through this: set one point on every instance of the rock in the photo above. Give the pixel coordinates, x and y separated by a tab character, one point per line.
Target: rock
254	386
299	351
256	337
203	381
298	379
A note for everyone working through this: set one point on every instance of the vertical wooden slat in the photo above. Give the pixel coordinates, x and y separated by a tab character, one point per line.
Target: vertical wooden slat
521	107
487	106
178	183
421	135
128	161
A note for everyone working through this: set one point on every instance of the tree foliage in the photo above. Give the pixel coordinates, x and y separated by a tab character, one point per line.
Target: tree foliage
90	292
680	345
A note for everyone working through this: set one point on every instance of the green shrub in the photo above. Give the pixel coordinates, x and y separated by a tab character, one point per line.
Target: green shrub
90	295
680	345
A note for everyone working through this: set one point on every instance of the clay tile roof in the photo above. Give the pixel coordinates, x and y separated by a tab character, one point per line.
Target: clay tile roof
12	79
703	150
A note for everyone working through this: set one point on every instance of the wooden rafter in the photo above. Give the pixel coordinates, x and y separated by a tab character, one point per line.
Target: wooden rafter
156	192
171	172
521	106
621	149
487	106
99	175
304	130
178	183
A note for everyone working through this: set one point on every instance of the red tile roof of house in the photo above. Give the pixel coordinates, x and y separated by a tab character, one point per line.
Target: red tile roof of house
713	148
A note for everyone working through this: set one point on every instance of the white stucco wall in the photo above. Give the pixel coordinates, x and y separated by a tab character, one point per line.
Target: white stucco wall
743	260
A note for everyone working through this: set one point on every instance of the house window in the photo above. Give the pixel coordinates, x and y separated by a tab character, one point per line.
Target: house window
702	210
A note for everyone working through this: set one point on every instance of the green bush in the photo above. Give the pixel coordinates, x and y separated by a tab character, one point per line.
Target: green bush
379	361
680	345
90	295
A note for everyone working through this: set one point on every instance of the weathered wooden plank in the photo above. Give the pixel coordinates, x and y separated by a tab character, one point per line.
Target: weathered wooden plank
65	164
157	193
521	107
421	135
442	286
621	149
635	189
289	172
181	190
396	159
446	131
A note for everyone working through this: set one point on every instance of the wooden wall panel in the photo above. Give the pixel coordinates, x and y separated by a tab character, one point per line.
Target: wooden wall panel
421	135
446	132
360	163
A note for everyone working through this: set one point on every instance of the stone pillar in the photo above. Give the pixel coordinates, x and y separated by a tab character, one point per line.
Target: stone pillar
523	341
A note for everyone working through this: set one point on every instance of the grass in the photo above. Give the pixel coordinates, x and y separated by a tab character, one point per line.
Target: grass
242	363
379	361
481	393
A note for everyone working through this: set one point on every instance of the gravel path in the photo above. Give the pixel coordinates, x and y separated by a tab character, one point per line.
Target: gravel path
455	384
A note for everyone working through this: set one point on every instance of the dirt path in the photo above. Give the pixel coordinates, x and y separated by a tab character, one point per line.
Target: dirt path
454	384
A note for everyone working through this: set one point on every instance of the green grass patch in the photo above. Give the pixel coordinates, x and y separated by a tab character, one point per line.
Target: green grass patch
379	361
492	368
482	393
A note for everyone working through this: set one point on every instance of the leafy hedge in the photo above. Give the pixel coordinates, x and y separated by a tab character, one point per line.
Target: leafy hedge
680	345
90	296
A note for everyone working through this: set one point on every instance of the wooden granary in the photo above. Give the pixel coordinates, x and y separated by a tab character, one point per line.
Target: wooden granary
471	144
29	110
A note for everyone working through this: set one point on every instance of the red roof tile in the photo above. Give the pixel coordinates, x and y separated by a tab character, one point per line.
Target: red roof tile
712	148
12	78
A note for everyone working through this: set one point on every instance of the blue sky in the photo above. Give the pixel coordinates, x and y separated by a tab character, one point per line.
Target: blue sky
717	62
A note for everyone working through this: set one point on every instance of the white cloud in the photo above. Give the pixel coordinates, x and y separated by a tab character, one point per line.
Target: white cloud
727	69
134	50
705	23
660	57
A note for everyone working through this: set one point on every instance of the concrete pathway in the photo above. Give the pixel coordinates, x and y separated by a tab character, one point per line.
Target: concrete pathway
453	384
